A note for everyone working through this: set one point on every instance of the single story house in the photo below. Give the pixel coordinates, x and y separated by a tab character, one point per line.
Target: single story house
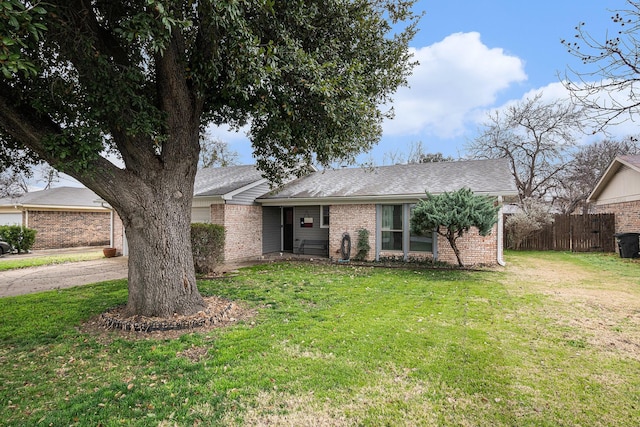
311	214
307	215
63	217
618	192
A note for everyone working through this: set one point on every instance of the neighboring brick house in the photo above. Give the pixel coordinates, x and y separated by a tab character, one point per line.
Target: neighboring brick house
63	217
618	192
311	214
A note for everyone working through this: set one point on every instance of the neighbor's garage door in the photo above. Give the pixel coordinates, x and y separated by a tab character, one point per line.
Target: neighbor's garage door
201	214
11	218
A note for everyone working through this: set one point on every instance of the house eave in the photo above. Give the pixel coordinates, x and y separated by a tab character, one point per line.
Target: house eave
368	199
30	207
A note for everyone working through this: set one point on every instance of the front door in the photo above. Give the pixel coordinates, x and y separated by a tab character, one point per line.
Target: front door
287	230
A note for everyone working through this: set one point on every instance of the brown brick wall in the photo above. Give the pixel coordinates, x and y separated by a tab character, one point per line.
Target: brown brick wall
63	229
243	230
474	248
627	215
351	218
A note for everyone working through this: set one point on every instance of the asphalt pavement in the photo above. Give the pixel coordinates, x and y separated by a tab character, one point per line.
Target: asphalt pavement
37	279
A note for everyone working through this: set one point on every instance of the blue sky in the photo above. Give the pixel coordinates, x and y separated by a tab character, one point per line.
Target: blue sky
475	57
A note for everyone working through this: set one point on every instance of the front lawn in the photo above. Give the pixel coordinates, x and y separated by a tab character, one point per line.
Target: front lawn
14	261
552	340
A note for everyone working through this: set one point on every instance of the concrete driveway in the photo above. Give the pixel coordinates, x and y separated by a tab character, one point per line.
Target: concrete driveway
37	279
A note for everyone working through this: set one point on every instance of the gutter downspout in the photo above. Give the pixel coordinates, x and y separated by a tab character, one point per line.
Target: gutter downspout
500	248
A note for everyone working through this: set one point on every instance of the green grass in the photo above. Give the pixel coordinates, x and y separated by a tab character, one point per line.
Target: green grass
11	262
346	346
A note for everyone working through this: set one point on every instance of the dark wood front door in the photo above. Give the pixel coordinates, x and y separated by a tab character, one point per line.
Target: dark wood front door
287	231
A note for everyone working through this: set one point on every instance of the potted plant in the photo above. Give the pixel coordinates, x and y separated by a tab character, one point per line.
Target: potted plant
109	252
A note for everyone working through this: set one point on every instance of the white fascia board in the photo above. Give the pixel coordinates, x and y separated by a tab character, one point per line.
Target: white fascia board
204	201
229	196
604	180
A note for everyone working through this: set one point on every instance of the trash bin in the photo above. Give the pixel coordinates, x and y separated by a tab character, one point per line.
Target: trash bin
628	244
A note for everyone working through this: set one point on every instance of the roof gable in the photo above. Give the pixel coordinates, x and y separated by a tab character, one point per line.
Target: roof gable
71	197
226	180
481	176
631	163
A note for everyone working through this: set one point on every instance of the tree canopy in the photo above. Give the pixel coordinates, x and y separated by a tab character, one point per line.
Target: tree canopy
309	78
136	81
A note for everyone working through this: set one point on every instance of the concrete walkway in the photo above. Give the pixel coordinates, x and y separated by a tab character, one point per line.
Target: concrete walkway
37	279
59	276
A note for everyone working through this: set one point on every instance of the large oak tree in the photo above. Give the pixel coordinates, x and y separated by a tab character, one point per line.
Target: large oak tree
140	79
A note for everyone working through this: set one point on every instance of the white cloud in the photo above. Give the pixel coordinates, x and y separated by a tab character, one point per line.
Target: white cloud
455	77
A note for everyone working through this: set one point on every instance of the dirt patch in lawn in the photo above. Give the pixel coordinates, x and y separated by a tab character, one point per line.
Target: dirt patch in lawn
602	309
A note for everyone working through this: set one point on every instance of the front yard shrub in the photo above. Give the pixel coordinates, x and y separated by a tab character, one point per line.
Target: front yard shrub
21	238
207	244
363	246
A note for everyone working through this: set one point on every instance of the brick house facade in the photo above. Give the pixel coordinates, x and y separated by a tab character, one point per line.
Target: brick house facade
350	219
66	229
618	192
380	200
243	230
64	217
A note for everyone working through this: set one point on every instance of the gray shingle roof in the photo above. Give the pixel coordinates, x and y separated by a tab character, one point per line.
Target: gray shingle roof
481	176
221	181
62	196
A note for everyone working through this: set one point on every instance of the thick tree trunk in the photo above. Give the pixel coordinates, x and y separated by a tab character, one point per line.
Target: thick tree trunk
161	273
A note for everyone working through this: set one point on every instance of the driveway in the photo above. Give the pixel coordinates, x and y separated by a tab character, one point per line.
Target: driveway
36	279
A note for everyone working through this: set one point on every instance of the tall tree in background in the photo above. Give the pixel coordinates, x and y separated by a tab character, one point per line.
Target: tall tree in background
11	184
141	78
215	152
536	138
585	169
417	154
608	87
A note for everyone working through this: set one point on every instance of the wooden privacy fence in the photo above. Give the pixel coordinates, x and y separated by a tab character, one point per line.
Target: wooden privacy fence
576	233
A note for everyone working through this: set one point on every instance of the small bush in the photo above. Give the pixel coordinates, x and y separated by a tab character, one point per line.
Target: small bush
21	238
533	217
363	246
207	244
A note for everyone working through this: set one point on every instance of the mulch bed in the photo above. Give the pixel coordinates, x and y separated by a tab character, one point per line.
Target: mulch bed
220	312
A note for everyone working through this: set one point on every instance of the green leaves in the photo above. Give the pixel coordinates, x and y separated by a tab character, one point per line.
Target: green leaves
20	28
457	212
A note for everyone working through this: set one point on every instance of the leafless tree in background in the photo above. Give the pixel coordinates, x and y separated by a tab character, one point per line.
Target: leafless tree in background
583	172
608	87
536	137
215	152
